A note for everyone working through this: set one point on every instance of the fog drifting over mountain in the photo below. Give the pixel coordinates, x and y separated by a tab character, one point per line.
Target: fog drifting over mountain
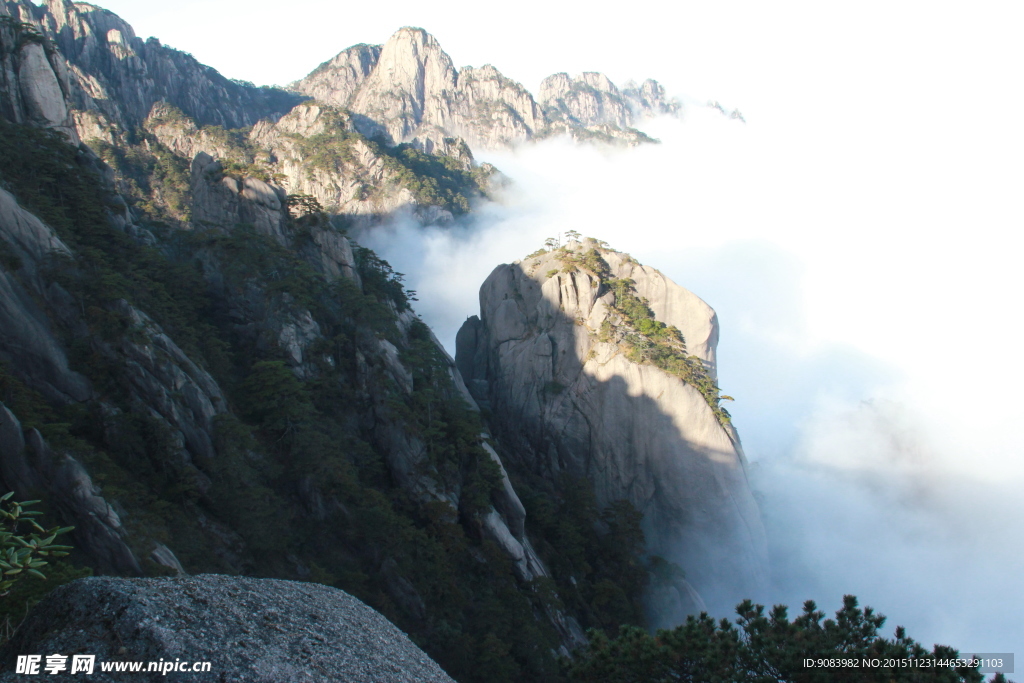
859	238
864	336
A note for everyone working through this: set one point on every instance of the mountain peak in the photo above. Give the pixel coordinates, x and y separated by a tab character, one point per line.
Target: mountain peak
597	366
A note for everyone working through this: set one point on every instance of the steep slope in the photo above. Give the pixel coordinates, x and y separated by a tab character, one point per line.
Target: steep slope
594	365
116	77
244	390
415	94
590	106
336	80
202	372
311	429
316	151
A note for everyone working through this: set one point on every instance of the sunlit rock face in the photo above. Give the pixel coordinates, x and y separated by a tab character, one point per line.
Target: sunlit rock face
565	398
107	70
408	90
335	81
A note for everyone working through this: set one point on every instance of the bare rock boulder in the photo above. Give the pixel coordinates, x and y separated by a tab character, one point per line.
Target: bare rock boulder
250	630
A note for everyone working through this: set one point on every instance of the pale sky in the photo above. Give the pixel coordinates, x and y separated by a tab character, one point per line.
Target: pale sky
860	238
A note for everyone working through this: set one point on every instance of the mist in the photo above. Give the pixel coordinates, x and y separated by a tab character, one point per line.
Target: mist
865	333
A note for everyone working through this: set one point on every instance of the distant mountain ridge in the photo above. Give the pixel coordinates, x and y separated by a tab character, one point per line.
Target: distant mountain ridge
409	90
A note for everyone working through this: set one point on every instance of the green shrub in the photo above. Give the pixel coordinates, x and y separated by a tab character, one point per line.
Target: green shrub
644	338
21	553
766	647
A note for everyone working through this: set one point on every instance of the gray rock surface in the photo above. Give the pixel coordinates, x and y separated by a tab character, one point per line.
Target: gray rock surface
334	81
27	339
562	399
34	82
359	183
28	466
408	90
224	200
114	72
589	99
250	630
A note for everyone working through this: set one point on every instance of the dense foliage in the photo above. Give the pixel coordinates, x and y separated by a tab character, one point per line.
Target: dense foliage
24	544
152	177
299	487
644	338
769	648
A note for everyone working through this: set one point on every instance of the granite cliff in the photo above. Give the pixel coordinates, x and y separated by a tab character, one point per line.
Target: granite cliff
408	90
113	78
575	356
202	370
199	369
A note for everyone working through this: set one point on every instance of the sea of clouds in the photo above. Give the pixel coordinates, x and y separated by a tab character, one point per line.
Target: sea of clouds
868	332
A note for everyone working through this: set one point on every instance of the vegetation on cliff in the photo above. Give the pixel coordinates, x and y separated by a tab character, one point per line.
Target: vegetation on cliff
299	487
643	338
433	180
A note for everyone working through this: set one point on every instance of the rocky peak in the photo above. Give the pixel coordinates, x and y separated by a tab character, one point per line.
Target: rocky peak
336	80
598	366
117	74
649	99
413	82
587	100
409	91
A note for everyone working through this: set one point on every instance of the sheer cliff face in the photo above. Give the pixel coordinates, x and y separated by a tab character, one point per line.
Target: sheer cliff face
118	76
565	397
335	81
34	82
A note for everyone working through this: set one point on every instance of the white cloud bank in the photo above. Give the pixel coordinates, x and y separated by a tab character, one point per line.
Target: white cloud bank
867	304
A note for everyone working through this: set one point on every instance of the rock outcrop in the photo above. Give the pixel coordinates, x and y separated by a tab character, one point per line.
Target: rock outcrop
249	630
351	178
588	100
27	338
548	357
118	75
30	466
590	106
34	82
336	80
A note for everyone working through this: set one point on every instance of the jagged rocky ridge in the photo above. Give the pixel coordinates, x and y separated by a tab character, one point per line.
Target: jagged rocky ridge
202	372
409	90
113	78
573	358
372	109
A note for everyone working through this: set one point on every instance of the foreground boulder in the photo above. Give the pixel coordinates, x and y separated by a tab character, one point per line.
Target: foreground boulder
250	630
